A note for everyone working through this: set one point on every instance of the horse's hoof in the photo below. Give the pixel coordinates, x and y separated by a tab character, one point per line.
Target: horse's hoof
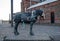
31	34
16	33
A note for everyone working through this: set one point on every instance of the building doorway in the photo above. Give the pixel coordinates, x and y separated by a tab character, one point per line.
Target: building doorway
52	17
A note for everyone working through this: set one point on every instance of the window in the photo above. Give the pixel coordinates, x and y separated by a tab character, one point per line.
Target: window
42	0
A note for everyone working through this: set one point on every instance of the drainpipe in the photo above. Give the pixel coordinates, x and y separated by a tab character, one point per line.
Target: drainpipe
30	5
30	2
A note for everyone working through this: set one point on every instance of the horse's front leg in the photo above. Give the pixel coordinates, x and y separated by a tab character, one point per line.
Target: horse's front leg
31	27
15	28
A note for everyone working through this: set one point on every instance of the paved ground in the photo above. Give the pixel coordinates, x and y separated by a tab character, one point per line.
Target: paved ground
42	32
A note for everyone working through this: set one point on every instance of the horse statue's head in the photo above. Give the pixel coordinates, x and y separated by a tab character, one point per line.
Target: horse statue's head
37	12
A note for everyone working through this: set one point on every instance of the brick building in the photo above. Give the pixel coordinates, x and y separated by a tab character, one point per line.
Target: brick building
26	3
48	7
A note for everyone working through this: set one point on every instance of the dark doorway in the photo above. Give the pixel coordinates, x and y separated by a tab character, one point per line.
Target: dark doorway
52	17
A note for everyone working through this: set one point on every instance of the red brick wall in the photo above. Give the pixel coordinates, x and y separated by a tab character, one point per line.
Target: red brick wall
26	4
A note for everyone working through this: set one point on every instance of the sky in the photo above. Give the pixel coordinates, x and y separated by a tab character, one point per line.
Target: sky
5	8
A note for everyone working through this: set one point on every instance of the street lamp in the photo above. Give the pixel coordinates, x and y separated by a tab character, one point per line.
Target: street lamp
12	13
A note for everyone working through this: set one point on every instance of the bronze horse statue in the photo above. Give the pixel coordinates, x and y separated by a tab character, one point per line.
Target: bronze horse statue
24	17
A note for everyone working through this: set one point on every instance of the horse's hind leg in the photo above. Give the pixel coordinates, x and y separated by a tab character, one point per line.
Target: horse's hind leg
31	27
15	28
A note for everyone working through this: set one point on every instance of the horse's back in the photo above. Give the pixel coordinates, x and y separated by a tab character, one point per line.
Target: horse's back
22	16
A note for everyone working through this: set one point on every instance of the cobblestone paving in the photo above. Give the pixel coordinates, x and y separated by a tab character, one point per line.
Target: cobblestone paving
41	32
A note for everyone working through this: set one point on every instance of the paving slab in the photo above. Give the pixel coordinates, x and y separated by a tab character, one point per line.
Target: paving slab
26	36
56	36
